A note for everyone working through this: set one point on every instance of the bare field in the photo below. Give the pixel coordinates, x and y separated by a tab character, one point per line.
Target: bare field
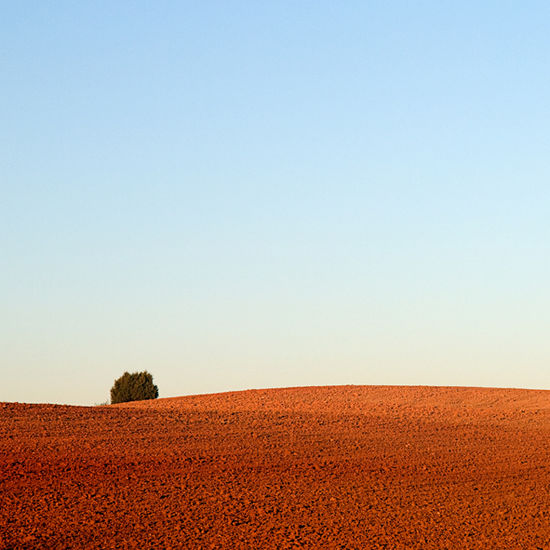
354	467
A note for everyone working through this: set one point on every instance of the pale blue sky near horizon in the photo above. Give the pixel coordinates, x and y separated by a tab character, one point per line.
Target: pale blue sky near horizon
240	195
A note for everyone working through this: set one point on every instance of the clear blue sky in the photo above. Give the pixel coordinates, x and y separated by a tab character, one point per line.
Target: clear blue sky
250	194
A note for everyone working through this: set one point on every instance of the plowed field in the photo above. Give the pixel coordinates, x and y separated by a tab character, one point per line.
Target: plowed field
324	467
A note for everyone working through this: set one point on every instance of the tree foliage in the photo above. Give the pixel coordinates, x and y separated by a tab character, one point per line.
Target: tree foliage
134	387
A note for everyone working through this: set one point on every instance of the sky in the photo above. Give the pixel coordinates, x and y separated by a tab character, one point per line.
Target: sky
237	195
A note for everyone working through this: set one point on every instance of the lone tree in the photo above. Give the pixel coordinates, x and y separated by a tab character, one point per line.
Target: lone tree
134	387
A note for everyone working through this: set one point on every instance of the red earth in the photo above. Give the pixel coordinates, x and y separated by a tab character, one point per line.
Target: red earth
361	467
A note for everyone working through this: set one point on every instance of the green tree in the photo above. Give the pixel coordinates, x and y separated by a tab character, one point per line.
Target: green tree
134	387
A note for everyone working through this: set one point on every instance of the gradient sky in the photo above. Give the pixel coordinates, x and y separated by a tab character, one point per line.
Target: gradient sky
236	195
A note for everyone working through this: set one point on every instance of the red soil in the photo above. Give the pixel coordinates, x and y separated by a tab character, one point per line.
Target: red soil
331	467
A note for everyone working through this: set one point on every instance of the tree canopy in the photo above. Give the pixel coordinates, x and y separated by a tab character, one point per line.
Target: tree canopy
136	386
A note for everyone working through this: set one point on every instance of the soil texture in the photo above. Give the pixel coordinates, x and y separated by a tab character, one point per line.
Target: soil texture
347	467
